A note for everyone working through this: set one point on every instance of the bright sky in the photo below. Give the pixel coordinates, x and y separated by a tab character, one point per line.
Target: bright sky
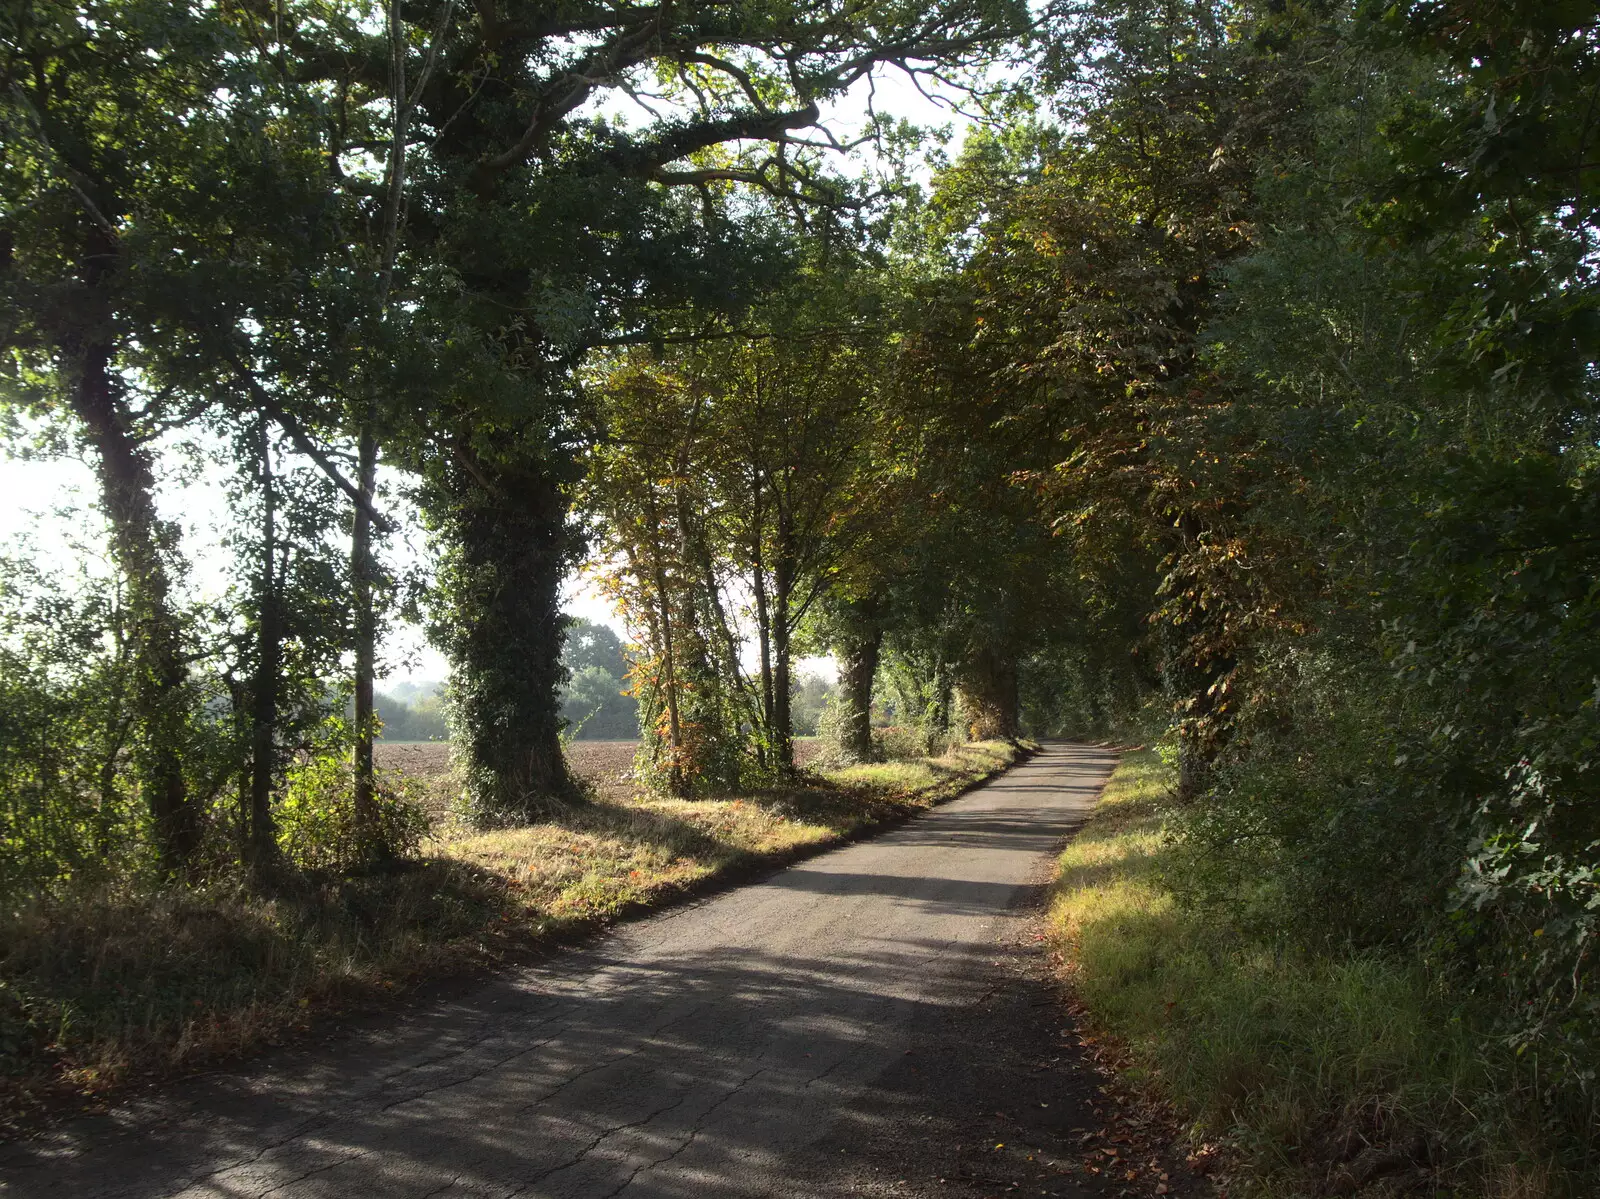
50	503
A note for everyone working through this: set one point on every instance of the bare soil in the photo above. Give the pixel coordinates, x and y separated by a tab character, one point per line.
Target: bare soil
607	766
420	759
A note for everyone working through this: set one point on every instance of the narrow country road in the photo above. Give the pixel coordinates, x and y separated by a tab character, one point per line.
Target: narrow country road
821	1032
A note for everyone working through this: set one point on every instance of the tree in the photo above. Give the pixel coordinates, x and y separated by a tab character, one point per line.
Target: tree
593	702
186	275
1417	317
734	481
618	237
90	152
410	717
812	694
331	237
852	620
590	645
1073	334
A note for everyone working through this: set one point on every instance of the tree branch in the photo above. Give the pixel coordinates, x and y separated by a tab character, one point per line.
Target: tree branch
645	158
63	168
746	84
568	90
303	443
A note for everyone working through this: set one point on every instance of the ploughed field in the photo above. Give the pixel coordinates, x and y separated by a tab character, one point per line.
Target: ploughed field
607	766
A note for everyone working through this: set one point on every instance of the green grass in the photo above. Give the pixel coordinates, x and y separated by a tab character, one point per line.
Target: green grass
1324	1074
101	986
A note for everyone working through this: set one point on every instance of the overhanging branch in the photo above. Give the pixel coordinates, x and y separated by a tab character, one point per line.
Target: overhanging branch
303	443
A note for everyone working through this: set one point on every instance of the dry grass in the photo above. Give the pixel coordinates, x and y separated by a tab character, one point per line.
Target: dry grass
628	848
97	988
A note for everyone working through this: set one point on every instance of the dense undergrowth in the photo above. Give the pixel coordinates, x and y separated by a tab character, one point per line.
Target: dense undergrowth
102	984
1330	1070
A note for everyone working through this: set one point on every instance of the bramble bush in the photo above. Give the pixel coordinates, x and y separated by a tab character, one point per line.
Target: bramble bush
317	827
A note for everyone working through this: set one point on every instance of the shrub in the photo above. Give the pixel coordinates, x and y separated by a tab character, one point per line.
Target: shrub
902	743
831	753
1315	1060
317	827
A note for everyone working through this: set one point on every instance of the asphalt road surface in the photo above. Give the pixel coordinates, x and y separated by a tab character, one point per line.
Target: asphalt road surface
851	1025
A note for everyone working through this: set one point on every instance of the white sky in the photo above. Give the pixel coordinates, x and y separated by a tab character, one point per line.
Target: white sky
51	503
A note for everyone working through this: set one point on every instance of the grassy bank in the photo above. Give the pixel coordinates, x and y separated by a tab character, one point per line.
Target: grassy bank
102	986
1324	1074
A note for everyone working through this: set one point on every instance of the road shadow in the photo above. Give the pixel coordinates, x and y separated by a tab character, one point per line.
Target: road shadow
636	1066
547	1092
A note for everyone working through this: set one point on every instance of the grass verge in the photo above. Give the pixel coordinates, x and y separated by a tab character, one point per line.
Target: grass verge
1321	1074
102	986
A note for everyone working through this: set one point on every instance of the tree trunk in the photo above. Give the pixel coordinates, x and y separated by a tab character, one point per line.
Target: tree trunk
260	838
127	488
990	695
1200	683
511	552
782	699
937	729
363	565
362	571
758	579
676	783
764	644
1200	656
858	667
783	573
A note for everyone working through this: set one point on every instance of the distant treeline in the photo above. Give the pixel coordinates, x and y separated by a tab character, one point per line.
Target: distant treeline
410	712
592	702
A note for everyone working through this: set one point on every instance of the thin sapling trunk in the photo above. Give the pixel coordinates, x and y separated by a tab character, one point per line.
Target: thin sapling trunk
363	568
260	836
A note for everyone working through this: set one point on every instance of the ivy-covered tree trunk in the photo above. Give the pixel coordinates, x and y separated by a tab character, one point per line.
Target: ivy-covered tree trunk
764	652
781	730
127	489
1198	678
1200	655
936	715
989	693
511	548
782	695
764	631
858	649
676	784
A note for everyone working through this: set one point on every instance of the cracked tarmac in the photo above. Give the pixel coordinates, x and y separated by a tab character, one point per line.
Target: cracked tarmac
844	1027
